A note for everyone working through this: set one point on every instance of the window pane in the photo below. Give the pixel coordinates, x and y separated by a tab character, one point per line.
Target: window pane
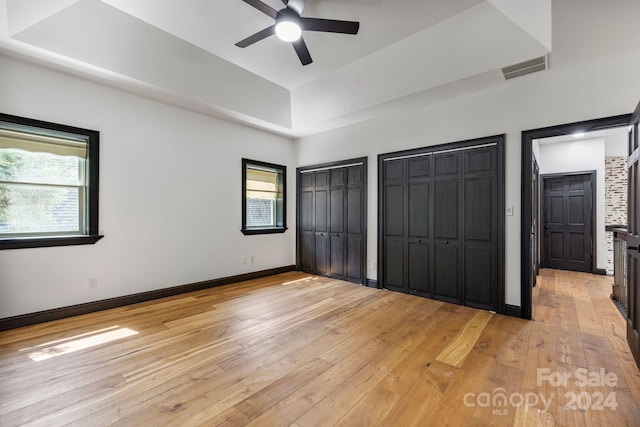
37	209
39	168
260	212
261	197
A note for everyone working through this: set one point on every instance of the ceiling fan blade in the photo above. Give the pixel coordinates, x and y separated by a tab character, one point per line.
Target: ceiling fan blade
329	25
262	7
303	53
257	36
297	5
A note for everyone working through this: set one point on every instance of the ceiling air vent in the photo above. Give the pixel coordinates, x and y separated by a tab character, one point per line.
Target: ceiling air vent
524	68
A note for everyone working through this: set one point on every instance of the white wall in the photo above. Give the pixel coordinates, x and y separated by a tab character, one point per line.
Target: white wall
604	88
170	196
579	156
170	179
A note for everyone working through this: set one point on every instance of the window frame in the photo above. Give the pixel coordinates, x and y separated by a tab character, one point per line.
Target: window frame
91	235
282	171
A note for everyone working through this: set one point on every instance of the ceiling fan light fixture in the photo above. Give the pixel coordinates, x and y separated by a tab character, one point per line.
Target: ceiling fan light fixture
289	24
288	31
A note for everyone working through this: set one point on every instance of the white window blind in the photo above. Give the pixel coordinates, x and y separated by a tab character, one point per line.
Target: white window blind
262	193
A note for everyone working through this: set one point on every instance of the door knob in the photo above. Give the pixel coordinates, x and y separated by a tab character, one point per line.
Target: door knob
446	242
418	241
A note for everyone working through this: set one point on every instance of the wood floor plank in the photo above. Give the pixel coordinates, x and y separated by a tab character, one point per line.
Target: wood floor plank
455	353
301	350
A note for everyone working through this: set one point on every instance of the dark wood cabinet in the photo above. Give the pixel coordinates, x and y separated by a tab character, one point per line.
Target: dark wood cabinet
332	220
441	229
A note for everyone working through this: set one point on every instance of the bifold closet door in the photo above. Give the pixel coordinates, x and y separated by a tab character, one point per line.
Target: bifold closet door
395	230
321	222
440	222
355	223
480	227
306	222
337	229
331	221
408	234
447	230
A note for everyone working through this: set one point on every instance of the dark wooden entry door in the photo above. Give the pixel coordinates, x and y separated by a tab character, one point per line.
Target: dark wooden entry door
569	221
441	224
633	238
331	220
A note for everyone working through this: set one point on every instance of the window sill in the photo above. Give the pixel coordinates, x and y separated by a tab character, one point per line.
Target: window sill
251	231
47	242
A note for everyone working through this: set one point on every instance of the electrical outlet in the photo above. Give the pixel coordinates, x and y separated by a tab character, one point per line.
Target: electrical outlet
244	260
509	211
93	282
253	259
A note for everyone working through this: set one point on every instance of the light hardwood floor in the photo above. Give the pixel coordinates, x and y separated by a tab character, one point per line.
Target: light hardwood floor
300	350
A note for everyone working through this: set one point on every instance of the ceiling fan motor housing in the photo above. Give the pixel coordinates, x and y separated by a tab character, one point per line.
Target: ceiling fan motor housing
288	15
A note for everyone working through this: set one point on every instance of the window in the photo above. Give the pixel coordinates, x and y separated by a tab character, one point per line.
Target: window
48	184
263	197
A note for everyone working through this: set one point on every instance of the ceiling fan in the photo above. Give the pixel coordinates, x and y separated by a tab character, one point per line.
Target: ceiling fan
289	26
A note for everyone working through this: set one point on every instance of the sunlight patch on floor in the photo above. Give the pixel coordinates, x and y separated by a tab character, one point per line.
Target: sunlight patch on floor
78	342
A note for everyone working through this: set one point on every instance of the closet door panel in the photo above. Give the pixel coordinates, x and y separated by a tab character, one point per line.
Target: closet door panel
419	167
479	273
354	210
307	252
419	268
394	210
354	258
478	212
480	229
337	212
446	209
419	209
446	277
321	211
394	263
322	253
337	256
306	211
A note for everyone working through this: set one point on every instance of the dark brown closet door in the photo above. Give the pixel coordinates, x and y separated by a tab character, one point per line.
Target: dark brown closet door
331	220
321	216
395	233
419	225
447	230
480	228
441	230
337	226
355	225
306	220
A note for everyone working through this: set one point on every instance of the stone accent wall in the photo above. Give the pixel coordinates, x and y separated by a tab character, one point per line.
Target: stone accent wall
615	197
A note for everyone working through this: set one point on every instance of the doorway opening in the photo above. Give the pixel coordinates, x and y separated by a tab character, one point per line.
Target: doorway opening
546	151
568	221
